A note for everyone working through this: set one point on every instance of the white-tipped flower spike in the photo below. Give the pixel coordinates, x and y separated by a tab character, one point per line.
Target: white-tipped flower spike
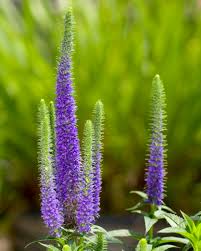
155	174
50	207
52	125
85	212
98	120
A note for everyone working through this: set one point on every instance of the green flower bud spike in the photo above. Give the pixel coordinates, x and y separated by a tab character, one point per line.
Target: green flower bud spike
85	216
52	125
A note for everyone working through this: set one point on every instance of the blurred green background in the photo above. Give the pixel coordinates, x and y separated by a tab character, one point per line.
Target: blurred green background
120	46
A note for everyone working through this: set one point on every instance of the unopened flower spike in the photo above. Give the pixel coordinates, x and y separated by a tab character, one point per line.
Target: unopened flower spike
85	212
50	206
98	120
68	157
52	126
156	162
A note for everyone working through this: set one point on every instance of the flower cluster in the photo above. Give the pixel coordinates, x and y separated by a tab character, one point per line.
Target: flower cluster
70	181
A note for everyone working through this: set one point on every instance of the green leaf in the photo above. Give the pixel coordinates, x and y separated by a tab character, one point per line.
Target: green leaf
140	193
189	222
120	233
198	232
173	239
169	230
113	240
96	228
137	206
149	247
149	222
49	246
136	235
197	217
187	247
38	241
163	248
164	207
174	220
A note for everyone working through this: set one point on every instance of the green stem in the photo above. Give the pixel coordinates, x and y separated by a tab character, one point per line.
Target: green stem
151	231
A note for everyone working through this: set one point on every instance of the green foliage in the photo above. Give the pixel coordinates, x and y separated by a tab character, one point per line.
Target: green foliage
49	247
190	230
154	214
70	240
101	242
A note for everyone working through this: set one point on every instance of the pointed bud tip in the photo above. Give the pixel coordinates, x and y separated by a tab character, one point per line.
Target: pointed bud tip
51	104
157	77
99	102
88	123
99	105
42	103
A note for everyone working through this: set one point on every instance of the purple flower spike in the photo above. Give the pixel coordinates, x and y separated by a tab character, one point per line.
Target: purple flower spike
155	174
68	157
50	207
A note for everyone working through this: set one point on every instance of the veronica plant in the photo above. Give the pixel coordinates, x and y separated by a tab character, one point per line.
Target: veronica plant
70	178
154	193
152	201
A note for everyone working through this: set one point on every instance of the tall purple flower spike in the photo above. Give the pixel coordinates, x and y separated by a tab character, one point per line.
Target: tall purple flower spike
155	173
68	157
50	207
